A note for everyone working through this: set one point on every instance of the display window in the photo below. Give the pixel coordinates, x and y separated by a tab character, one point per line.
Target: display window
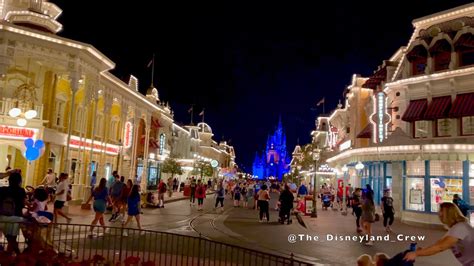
422	129
414	194
443	190
415	168
443	127
467	125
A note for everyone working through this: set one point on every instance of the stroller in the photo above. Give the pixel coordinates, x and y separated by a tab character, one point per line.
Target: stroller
284	215
326	201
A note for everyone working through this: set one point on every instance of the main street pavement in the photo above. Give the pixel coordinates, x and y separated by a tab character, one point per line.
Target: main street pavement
240	226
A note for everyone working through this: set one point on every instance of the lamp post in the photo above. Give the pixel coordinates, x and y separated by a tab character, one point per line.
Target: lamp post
345	170
314	213
359	167
119	155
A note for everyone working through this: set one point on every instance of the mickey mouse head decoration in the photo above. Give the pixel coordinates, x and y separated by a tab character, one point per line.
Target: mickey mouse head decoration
33	149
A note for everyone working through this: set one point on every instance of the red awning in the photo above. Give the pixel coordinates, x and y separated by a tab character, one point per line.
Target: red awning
463	106
366	133
415	110
438	108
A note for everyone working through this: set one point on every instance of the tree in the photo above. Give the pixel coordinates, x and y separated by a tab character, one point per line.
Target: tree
203	169
171	166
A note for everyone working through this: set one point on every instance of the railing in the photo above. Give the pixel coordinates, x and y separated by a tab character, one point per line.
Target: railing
6	104
72	245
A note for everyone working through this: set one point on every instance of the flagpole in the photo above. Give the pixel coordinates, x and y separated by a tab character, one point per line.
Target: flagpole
152	69
192	111
324	103
203	113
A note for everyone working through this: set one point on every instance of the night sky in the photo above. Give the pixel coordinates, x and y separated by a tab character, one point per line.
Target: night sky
246	64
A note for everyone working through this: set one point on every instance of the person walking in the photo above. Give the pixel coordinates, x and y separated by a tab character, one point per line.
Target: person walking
286	204
387	210
161	193
250	196
49	183
460	237
220	195
263	203
368	215
115	193
356	207
192	195
101	198
133	202
200	194
61	197
124	197
237	195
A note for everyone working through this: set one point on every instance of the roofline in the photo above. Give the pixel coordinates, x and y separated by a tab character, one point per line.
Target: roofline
445	14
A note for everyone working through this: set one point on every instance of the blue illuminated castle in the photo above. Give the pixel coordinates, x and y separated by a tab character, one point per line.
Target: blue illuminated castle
274	162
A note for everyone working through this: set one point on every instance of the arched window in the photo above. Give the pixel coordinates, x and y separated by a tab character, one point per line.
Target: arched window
418	58
79	121
441	54
464	48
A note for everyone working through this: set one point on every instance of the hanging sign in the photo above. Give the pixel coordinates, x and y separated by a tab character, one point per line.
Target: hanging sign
11	132
380	118
128	134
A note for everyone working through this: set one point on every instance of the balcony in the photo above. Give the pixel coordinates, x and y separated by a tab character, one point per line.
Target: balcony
7	103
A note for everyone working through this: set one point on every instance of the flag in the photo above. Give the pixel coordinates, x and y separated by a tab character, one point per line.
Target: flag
190	109
320	102
149	63
201	113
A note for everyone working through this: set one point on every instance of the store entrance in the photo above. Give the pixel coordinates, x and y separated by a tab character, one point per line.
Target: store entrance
11	156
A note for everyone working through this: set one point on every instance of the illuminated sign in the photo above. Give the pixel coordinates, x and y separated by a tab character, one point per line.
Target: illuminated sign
345	145
11	132
380	118
77	143
332	137
325	168
127	136
214	163
162	143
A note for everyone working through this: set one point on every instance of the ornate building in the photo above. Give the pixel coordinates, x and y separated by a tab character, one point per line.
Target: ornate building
274	162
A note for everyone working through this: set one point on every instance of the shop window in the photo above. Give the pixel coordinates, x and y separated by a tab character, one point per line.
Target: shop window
467	125
415	168
414	194
388	169
443	189
443	127
446	168
422	129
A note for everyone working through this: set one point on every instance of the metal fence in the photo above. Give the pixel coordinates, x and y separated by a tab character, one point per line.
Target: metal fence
72	244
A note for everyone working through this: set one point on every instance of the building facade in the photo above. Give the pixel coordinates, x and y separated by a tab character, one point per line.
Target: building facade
60	91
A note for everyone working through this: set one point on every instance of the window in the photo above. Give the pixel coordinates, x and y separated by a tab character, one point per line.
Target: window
414	194
466	58
99	125
443	189
471	183
441	61
415	168
467	125
113	130
79	119
422	129
419	66
443	127
58	113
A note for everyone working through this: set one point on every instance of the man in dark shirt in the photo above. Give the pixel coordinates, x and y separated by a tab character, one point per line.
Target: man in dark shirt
9	224
387	210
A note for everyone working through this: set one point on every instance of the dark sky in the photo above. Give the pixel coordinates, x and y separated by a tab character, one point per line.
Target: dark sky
246	64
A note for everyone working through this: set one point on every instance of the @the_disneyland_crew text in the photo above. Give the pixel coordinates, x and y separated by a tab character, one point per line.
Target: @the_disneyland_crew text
293	238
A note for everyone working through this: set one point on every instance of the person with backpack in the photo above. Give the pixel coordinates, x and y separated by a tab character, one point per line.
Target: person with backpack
12	202
462	205
115	193
161	193
200	194
387	210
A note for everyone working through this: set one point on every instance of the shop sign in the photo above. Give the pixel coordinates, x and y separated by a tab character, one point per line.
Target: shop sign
345	145
162	143
128	133
98	146
11	132
332	137
416	196
380	118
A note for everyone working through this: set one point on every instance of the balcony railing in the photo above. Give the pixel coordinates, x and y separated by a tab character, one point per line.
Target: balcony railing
7	103
71	245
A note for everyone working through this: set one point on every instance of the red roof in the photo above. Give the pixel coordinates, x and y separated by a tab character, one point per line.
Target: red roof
463	106
366	133
415	110
438	108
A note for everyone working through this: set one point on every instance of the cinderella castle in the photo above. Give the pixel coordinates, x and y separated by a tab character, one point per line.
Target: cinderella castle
274	163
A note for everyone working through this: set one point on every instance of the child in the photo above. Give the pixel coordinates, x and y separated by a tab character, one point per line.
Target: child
39	205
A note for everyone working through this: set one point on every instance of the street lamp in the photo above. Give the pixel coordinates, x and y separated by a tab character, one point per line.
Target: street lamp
316	157
23	109
359	167
345	170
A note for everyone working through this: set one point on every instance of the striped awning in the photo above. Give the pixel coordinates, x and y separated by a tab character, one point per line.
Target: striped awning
415	111
438	108
463	106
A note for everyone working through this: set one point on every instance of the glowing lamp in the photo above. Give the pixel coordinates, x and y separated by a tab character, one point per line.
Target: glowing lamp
345	168
14	112
21	122
359	166
30	114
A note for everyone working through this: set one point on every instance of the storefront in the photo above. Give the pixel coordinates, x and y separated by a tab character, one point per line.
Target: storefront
429	183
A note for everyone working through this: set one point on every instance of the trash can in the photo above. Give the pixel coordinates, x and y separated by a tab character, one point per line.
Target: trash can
308	204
